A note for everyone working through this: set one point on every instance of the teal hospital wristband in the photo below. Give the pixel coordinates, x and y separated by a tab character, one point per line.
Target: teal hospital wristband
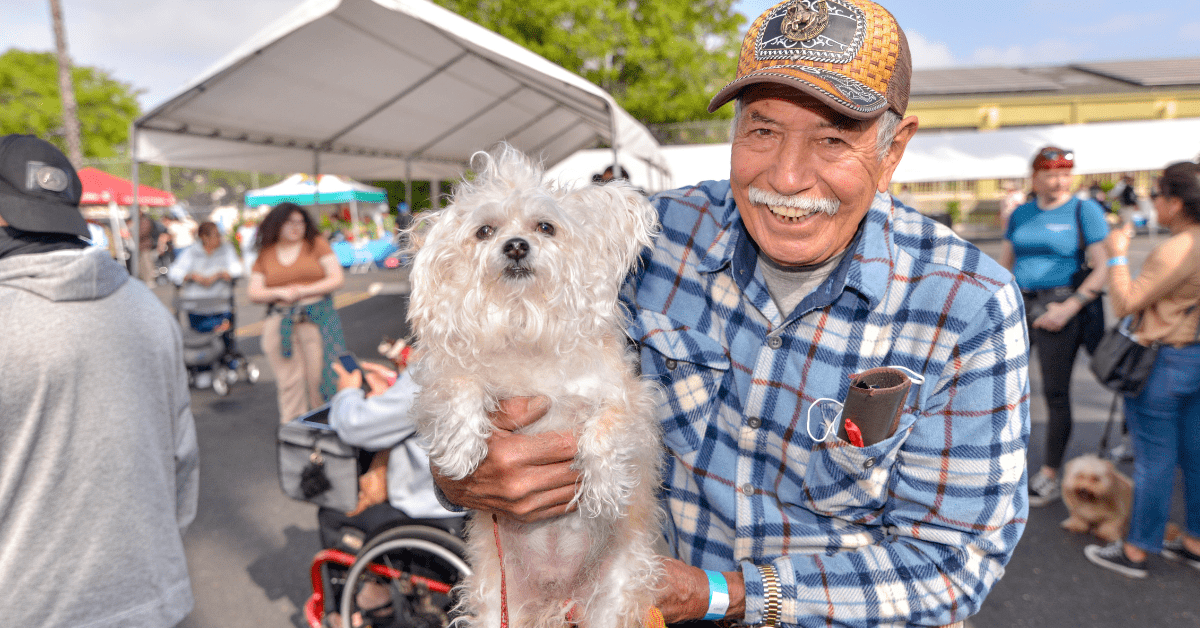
1118	261
718	595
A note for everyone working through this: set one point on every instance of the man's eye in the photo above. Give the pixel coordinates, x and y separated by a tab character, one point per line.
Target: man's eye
485	232
546	228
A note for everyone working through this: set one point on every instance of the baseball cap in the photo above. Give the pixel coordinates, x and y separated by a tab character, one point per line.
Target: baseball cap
849	54
39	189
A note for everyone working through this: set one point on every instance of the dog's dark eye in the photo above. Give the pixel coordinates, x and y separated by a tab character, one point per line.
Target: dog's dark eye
485	232
546	228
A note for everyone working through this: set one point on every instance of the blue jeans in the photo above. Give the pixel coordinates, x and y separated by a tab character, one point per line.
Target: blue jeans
1164	423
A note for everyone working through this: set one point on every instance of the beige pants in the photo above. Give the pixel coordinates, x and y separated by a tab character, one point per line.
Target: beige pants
298	378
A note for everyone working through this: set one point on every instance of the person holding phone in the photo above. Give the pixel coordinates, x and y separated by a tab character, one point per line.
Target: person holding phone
295	274
398	486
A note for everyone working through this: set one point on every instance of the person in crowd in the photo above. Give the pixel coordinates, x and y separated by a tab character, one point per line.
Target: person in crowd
205	275
1042	249
1014	197
609	174
1164	419
758	301
296	273
183	231
153	241
99	466
245	234
380	421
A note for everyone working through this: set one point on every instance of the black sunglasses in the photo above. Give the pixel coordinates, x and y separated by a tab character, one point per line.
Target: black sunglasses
1054	154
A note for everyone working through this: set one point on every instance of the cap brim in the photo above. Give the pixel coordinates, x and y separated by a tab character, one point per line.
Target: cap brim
27	213
823	91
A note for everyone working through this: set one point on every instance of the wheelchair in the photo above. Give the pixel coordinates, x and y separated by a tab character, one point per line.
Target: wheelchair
402	575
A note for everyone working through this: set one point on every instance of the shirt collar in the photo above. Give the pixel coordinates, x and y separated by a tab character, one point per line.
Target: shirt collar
866	269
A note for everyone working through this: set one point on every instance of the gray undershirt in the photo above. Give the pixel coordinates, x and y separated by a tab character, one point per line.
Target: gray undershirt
788	285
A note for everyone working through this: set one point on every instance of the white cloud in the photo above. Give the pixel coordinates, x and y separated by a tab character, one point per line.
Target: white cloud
1049	51
1121	24
156	45
928	54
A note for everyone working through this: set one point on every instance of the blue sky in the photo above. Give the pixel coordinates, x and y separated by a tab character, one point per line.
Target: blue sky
160	45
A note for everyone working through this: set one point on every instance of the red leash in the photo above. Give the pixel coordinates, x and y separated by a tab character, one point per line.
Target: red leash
503	588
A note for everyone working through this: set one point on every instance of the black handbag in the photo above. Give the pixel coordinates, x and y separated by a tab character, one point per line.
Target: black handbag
1120	363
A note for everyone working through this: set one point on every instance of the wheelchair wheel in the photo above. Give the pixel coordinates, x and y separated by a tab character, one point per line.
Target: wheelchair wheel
404	577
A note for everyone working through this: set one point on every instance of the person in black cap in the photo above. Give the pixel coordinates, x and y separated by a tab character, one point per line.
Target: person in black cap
98	457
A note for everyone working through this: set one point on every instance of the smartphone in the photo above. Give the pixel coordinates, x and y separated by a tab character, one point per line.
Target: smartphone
351	364
348	362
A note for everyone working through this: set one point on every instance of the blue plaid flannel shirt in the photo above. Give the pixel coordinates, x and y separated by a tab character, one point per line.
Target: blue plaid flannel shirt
912	530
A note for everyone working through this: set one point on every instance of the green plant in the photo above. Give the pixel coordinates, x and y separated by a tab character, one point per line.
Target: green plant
954	209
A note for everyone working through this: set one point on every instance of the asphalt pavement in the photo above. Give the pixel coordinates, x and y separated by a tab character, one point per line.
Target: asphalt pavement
250	546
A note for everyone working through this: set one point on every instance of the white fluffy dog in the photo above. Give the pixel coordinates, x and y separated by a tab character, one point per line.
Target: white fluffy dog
1098	497
515	293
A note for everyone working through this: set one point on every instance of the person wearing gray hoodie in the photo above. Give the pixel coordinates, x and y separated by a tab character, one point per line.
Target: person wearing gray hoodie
99	466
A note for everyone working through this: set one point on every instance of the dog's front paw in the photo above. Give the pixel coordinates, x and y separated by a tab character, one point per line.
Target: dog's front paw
1077	525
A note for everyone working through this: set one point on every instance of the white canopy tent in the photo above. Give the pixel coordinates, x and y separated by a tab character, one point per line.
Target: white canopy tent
383	89
1007	153
967	155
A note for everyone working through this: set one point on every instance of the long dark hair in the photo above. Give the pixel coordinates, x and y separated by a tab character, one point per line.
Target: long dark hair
272	224
1182	181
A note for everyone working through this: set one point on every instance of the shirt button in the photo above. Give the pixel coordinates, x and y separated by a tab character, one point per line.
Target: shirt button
671	364
754	422
774	342
748	489
868	463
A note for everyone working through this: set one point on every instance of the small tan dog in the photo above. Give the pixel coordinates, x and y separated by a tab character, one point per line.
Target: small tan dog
1098	497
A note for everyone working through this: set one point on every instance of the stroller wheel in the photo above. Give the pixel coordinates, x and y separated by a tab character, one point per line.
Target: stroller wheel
231	376
220	384
252	373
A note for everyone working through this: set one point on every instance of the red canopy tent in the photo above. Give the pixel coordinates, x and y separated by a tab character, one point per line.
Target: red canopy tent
101	188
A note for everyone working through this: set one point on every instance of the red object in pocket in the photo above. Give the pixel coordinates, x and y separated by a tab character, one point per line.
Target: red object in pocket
853	434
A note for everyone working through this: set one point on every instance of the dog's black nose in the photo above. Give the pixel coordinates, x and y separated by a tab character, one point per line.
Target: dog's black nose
516	249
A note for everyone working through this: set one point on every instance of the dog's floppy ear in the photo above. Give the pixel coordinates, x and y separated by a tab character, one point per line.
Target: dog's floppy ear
625	221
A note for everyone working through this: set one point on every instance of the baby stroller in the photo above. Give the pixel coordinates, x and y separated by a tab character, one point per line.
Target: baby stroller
210	346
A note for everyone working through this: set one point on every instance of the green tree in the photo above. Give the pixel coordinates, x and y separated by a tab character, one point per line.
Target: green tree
30	103
662	60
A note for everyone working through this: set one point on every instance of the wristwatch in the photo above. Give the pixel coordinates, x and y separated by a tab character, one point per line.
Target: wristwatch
772	596
1081	297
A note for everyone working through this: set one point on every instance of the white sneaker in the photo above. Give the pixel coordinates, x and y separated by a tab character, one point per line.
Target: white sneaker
203	379
1043	490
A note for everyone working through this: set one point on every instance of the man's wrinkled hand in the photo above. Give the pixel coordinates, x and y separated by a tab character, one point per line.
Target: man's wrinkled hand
527	477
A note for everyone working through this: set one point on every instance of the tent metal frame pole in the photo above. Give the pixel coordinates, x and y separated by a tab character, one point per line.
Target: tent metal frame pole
612	122
316	177
135	215
408	191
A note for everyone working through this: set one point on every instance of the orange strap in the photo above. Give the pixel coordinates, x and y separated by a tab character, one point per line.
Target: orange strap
503	587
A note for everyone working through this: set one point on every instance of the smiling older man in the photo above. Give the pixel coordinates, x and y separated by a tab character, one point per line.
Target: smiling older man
763	296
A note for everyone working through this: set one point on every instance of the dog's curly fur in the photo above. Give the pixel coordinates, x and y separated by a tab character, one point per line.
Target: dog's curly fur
1098	497
515	293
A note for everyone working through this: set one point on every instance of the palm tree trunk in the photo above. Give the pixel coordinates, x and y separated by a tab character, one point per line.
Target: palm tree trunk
66	87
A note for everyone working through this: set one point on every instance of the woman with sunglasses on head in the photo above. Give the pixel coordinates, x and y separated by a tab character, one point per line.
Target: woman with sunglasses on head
1046	244
296	273
1164	419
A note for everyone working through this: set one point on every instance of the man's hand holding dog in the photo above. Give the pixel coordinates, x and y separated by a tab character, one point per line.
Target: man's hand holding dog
527	477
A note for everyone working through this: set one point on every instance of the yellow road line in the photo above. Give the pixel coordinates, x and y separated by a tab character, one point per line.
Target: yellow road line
340	301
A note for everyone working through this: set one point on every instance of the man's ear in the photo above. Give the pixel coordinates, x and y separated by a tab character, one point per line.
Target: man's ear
904	132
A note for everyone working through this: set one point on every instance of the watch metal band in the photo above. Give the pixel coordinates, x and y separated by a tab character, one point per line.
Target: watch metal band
772	596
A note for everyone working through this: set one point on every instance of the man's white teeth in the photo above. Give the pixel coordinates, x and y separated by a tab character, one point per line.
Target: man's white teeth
794	213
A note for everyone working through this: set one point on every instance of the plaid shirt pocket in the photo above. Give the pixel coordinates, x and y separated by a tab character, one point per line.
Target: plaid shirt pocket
689	366
848	482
